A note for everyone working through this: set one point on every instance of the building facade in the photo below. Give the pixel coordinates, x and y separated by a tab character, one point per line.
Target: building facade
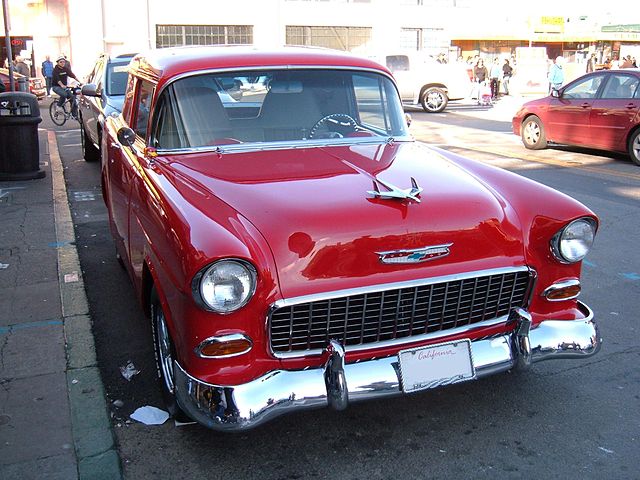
81	29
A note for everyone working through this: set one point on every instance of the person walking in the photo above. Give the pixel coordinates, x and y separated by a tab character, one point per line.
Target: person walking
494	78
507	73
556	75
47	73
21	67
591	63
59	78
479	76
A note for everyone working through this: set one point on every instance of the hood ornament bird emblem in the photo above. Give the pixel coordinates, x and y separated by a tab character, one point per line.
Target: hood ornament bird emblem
388	190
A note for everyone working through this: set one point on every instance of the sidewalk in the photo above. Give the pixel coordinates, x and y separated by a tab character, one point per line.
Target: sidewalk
54	421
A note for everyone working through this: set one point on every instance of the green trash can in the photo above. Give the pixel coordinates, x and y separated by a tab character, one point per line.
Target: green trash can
19	145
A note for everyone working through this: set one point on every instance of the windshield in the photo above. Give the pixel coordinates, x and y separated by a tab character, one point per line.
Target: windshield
117	78
277	106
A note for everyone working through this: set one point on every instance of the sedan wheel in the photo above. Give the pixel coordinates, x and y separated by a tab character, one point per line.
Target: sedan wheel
533	136
434	100
634	147
89	151
165	356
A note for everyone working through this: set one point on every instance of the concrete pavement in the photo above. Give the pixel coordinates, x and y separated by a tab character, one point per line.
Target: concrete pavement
54	420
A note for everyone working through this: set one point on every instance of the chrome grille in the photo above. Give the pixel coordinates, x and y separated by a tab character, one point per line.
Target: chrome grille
378	316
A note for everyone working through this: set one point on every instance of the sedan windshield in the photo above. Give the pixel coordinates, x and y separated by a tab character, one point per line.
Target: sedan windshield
284	105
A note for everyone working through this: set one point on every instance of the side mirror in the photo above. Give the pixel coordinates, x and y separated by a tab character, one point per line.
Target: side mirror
89	90
126	136
408	119
555	93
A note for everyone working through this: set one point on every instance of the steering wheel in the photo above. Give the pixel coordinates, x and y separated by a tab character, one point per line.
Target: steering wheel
335	125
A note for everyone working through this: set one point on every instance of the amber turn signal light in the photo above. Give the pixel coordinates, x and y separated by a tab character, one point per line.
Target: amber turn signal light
224	346
566	290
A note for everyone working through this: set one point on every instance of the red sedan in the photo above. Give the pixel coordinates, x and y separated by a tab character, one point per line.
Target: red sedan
295	247
599	110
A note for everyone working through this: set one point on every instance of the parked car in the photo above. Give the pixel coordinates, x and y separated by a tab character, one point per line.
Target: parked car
299	249
36	85
102	95
425	82
598	110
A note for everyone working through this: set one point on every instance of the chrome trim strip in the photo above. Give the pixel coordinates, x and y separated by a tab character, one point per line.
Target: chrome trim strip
282	145
287	302
241	407
223	339
559	286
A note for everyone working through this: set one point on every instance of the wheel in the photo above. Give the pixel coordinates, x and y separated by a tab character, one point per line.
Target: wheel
59	115
434	100
533	136
336	125
89	150
634	147
165	355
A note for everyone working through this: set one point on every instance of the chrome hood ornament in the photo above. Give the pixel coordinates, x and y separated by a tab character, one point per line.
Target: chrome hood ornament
390	191
416	255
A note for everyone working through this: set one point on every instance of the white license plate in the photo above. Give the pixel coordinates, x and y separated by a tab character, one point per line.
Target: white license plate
436	365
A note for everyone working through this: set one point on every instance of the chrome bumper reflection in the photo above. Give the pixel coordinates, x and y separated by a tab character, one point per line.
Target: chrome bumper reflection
246	406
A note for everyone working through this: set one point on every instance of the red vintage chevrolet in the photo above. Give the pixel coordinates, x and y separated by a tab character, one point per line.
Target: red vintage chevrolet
294	247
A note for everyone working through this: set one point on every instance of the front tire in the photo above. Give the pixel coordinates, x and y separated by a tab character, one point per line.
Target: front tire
59	115
165	356
434	100
634	147
89	152
533	136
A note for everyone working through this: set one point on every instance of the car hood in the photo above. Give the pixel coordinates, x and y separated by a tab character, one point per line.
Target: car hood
114	104
326	230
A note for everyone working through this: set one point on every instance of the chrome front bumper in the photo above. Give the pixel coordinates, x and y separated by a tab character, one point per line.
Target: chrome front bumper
240	407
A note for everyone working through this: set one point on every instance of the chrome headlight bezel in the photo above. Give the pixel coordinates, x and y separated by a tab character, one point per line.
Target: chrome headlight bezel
572	243
203	285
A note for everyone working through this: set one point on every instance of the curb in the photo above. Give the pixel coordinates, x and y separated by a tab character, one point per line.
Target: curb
92	434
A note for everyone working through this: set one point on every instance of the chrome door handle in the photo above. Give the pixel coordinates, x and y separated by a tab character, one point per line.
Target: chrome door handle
116	145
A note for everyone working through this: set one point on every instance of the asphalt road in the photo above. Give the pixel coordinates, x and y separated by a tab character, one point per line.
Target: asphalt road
562	419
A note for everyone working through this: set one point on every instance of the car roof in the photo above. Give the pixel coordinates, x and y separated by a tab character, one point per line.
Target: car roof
161	65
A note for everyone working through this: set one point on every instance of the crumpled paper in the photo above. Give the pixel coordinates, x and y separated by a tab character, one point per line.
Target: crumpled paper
149	415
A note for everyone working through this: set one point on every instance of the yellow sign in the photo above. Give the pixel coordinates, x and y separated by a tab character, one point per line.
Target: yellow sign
547	24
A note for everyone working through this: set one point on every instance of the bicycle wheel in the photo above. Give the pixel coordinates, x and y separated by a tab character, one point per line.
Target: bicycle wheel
59	115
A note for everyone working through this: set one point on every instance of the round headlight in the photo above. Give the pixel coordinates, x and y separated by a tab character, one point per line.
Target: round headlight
225	286
573	242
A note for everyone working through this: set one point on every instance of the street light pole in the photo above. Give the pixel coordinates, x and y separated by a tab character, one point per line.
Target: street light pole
7	40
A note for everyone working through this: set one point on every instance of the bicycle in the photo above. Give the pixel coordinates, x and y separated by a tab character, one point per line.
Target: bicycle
60	114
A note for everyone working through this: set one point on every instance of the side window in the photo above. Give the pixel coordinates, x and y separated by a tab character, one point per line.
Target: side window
97	78
142	106
586	88
127	107
620	86
397	63
373	96
165	133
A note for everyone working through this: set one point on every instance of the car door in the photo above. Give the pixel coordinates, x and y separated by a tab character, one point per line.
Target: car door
569	114
615	111
90	106
120	168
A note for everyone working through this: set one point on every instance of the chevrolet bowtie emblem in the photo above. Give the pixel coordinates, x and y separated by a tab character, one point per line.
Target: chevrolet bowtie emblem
417	255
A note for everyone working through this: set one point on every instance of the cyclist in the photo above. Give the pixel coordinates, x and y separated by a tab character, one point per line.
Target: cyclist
61	72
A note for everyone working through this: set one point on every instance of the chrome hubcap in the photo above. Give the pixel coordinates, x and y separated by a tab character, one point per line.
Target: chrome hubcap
164	351
532	133
434	100
635	148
